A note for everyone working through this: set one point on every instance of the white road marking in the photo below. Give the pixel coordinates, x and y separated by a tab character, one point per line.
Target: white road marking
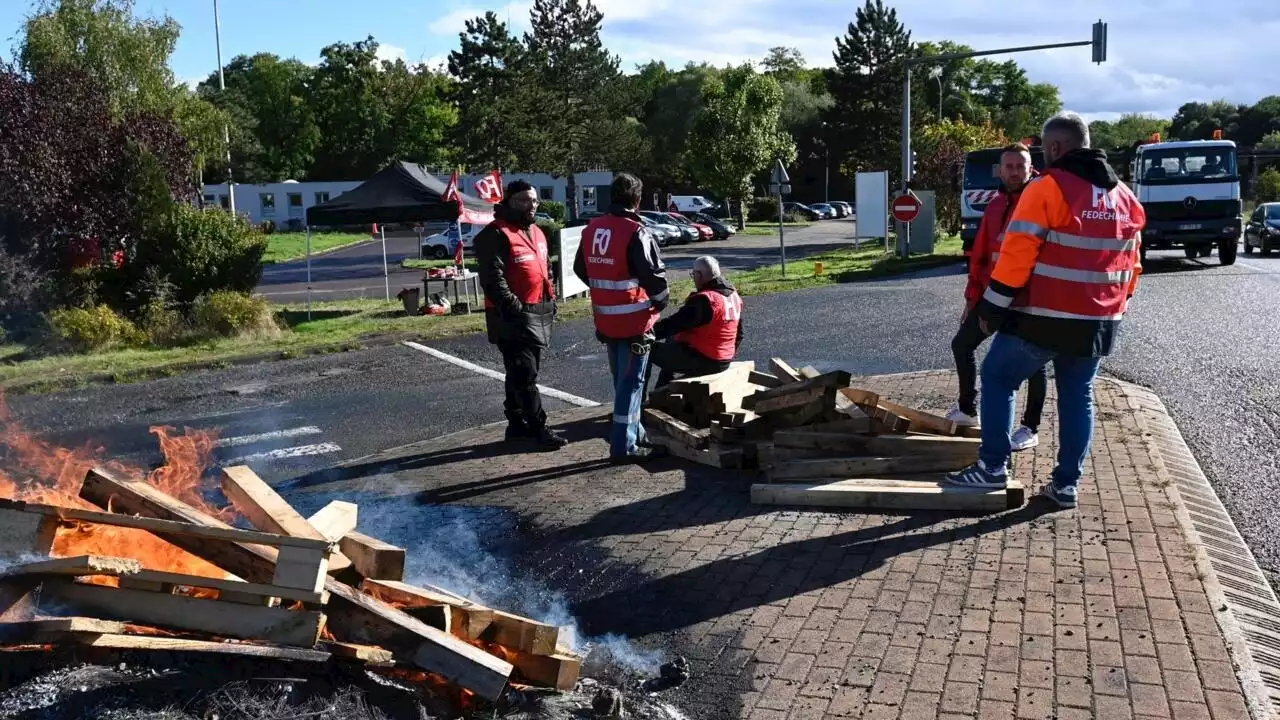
1256	267
494	374
237	411
263	437
292	452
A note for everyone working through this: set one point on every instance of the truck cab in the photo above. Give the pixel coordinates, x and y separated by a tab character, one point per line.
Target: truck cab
980	181
1191	193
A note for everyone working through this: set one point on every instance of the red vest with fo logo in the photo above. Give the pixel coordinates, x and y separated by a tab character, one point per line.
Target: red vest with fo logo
1085	269
527	270
717	340
621	307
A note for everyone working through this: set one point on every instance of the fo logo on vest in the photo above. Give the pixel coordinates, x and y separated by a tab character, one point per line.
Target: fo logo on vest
733	308
600	242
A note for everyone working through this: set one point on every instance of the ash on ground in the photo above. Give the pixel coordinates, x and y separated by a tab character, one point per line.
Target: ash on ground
202	688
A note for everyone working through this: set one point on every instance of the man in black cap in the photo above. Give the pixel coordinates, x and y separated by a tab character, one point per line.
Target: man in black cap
519	308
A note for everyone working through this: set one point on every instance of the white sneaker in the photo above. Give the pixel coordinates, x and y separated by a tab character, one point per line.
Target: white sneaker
1024	438
962	418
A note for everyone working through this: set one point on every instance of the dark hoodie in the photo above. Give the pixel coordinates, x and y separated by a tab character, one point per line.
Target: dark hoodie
1079	338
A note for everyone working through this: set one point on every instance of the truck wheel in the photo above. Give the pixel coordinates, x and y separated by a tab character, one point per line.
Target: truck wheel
1248	249
439	252
1191	251
1266	246
1227	252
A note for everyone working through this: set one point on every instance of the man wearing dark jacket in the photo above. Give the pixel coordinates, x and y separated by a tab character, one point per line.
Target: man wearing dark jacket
705	332
1069	263
619	261
519	308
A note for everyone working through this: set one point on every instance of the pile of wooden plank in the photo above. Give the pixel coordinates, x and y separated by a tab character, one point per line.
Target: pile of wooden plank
819	441
295	588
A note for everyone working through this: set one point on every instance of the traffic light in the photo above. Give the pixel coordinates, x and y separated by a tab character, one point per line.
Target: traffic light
1099	42
913	163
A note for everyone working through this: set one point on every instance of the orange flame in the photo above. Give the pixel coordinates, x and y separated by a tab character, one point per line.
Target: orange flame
35	470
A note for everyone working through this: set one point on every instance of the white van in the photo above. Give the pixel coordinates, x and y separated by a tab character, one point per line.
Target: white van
691	203
442	245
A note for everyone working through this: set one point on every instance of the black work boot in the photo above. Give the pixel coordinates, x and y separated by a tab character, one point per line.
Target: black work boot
547	439
517	431
641	455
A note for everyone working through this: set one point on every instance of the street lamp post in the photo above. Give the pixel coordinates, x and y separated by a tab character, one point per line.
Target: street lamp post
936	74
222	87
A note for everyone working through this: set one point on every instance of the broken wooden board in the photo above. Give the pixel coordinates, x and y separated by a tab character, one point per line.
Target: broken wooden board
181	645
855	467
128	569
25	534
373	558
790	400
964	450
677	430
267	511
559	671
726	434
968	431
300	628
765	379
469	619
809	372
364	653
888	412
154	525
890	494
25	630
784	371
832	380
335	520
524	635
716	455
353	615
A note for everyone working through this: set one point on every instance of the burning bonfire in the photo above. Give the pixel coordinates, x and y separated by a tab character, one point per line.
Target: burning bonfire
104	555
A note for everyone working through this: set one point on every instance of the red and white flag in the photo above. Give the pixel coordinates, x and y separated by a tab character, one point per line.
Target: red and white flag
489	187
451	193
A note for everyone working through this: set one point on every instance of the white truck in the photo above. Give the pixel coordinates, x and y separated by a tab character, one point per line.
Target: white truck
979	183
1191	192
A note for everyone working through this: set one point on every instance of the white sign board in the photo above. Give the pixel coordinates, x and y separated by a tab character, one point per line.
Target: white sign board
872	198
568	242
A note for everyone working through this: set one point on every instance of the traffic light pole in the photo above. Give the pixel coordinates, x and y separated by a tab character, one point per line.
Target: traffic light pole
1099	43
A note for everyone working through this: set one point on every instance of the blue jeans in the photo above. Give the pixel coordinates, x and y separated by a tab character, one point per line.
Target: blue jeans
629	373
1009	362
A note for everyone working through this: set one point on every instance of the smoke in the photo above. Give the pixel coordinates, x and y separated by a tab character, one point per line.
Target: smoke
466	550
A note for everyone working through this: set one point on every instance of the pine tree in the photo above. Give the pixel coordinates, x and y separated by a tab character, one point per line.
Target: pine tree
582	101
866	84
487	69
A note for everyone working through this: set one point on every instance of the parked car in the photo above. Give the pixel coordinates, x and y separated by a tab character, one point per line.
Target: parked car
843	208
720	230
825	211
704	232
443	245
687	232
663	233
1263	229
543	218
804	211
583	219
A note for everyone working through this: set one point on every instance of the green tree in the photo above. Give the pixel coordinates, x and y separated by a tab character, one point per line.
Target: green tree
1269	185
581	102
866	83
1270	141
783	63
422	117
1197	121
274	132
1017	105
1257	121
668	116
940	150
489	94
736	135
1127	130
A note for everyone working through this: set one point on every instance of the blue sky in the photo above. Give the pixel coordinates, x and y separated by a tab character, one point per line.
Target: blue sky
1161	52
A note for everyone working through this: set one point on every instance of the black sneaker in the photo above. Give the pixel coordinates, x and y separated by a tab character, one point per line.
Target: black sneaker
641	455
517	432
548	439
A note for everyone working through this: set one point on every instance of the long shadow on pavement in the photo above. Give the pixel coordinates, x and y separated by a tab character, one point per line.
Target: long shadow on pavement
721	587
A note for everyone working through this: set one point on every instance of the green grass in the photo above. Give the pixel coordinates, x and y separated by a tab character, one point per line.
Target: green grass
285	246
756	228
341	325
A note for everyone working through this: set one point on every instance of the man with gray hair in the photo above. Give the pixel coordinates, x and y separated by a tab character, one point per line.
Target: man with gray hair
1068	265
703	336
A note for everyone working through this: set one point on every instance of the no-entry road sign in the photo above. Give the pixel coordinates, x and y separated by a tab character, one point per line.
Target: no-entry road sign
906	208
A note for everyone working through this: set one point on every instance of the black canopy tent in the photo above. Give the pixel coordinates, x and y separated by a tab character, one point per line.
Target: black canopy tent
400	192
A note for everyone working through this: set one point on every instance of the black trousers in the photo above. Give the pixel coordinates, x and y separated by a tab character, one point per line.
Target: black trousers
965	348
675	357
523	405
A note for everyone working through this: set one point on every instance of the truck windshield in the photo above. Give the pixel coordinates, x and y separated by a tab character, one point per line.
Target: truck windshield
1181	166
982	168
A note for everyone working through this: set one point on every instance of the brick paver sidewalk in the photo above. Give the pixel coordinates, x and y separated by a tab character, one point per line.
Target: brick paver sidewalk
790	613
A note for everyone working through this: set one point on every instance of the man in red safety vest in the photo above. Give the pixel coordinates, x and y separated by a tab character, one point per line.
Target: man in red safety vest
705	332
519	308
620	262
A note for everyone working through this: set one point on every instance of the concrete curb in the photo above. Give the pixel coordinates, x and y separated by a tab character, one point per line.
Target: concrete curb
1247	609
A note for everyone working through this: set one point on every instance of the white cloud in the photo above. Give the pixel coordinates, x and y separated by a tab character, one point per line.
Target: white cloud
391	53
436	62
516	13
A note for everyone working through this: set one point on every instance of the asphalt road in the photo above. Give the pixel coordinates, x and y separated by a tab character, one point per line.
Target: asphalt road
1204	337
357	271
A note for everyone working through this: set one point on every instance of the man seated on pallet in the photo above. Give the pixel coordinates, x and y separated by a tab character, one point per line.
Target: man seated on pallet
703	336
